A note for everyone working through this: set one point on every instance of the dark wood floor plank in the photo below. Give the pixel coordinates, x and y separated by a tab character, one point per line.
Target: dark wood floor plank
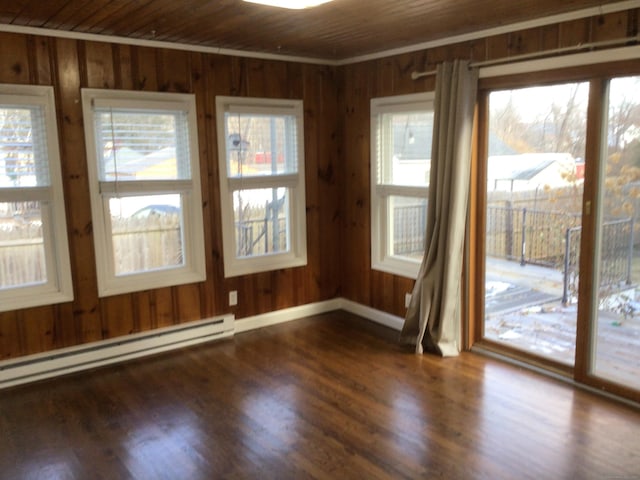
327	397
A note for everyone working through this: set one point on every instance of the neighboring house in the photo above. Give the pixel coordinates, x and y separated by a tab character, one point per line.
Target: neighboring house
128	164
131	165
529	171
412	152
118	163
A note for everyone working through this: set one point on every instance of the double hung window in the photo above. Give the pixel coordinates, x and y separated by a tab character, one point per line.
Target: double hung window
261	184
401	135
146	203
34	255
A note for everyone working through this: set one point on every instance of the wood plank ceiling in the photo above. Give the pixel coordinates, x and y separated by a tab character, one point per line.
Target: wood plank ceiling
338	30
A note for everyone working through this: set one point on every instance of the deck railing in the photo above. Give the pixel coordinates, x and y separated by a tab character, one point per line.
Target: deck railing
616	254
552	239
409	228
528	236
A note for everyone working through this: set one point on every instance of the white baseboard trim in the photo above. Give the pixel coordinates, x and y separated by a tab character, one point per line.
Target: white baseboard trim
59	362
286	315
378	316
295	313
96	354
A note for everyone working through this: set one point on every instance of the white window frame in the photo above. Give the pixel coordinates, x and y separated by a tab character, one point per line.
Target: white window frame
58	288
381	232
193	269
295	182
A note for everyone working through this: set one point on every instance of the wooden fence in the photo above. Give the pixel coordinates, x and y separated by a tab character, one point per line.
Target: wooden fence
22	257
148	243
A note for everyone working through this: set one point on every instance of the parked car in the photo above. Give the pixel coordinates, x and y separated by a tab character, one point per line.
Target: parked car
159	210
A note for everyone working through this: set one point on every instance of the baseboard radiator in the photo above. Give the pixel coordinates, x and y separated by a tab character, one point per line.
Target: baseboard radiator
83	357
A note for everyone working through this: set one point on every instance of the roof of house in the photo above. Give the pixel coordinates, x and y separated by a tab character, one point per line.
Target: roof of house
415	142
525	166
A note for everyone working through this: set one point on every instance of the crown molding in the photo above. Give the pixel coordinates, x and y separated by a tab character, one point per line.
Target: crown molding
513	27
489	32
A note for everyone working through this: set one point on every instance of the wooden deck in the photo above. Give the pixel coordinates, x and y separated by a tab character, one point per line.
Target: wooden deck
328	397
531	317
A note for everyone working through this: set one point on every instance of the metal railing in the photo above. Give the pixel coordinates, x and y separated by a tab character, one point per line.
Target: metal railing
409	229
552	239
262	236
528	236
616	254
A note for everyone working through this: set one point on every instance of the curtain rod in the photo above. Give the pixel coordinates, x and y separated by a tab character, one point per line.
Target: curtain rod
546	53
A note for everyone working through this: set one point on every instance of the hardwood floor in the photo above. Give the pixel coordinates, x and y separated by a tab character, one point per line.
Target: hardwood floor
332	397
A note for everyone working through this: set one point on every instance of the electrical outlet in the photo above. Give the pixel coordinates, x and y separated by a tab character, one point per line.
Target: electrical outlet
233	298
407	300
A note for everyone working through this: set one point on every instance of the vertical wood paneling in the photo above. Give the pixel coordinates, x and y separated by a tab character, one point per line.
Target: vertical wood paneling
41	60
439	55
188	302
282	288
64	328
384	80
9	335
175	75
266	79
86	321
526	41
337	137
391	76
99	65
204	99
550	37
117	316
382	291
143	312
238	77
401	286
14	58
40	319
575	32
609	27
355	251
163	307
498	47
174	71
325	105
478	51
401	80
217	81
315	253
144	69
122	67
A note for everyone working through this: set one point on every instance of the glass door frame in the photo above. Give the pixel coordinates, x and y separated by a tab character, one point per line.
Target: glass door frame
598	77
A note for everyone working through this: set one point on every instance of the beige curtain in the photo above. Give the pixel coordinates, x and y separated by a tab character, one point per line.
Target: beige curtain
432	322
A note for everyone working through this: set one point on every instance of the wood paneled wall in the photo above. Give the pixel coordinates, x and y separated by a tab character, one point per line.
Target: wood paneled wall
392	76
70	65
337	144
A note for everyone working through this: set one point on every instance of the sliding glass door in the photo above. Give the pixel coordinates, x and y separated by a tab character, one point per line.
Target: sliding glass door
615	342
535	175
560	225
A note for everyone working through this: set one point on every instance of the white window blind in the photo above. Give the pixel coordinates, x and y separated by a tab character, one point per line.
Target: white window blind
142	144
261	183
255	141
34	255
22	136
143	162
401	137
